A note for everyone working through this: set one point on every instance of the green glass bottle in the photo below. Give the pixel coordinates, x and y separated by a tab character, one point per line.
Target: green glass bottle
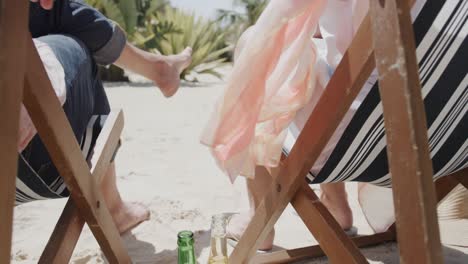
186	243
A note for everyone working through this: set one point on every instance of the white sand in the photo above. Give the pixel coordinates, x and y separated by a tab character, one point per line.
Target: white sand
163	165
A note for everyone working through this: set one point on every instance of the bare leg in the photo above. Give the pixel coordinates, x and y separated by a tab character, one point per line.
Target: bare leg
257	189
335	198
163	70
126	215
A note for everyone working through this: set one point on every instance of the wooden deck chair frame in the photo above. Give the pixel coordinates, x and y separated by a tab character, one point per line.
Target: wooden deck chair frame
20	66
384	38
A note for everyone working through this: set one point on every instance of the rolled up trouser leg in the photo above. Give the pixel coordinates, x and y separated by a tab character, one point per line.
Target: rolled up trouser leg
86	107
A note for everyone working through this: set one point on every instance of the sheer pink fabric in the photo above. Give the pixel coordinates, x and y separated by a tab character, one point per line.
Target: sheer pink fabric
273	77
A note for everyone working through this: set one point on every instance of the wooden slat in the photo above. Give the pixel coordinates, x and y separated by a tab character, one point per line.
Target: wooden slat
292	255
288	256
107	143
65	236
58	137
405	123
351	74
67	231
443	187
13	34
325	229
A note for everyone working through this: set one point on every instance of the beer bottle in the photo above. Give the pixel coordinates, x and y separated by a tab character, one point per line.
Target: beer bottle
186	250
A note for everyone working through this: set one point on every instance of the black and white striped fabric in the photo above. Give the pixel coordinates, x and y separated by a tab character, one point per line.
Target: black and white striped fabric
32	185
442	51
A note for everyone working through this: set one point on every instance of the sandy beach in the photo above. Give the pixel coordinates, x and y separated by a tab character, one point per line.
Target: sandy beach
163	165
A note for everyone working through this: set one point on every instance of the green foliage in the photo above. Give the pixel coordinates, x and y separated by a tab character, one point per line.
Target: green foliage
154	31
237	22
253	8
155	26
129	14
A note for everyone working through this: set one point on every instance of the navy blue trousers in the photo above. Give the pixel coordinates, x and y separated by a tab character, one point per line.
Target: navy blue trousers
73	31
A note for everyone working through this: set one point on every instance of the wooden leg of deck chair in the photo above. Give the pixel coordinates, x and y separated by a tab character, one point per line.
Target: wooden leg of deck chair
57	135
291	255
443	187
13	34
106	144
68	229
66	233
350	75
330	236
405	123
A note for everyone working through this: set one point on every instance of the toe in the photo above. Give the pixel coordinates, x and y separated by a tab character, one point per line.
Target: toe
188	51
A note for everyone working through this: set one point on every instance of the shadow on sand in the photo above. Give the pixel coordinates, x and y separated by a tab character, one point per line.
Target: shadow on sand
142	252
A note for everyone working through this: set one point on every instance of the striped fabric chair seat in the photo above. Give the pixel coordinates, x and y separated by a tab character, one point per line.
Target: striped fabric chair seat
32	185
442	51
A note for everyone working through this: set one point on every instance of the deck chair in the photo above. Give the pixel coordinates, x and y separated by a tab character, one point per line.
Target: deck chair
385	40
22	67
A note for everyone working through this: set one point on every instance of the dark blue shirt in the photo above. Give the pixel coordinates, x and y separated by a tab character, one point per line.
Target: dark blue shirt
102	36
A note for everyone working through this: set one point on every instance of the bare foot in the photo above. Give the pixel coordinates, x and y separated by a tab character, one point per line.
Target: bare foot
168	69
340	209
129	215
237	226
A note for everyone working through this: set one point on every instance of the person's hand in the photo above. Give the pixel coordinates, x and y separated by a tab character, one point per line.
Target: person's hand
46	4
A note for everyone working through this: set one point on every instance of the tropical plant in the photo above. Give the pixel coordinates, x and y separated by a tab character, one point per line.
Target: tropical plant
153	33
137	18
155	26
205	37
238	21
129	14
252	9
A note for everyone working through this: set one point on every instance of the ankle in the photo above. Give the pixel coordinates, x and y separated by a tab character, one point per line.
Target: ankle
113	202
334	198
339	207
